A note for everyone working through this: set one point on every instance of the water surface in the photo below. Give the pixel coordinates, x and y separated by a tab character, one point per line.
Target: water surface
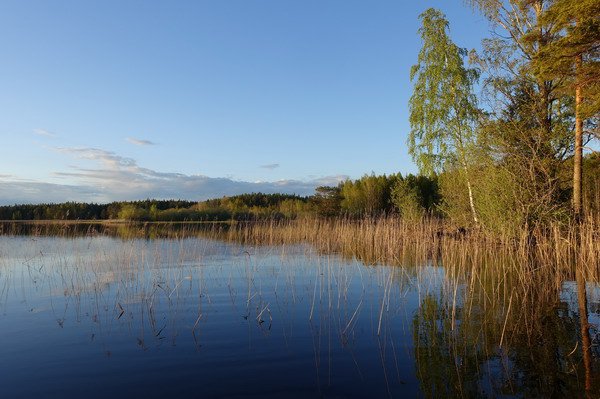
103	316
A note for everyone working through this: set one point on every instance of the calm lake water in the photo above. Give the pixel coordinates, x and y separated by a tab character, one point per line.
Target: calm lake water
102	316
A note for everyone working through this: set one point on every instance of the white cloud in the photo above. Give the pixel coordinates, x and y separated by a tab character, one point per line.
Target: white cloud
28	192
120	178
139	142
270	166
44	132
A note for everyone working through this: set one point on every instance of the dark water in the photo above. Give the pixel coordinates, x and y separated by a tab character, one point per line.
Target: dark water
192	317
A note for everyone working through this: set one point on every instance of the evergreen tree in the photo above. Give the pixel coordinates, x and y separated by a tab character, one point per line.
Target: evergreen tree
574	57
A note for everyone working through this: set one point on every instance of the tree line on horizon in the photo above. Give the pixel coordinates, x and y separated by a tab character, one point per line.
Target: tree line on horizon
412	197
371	195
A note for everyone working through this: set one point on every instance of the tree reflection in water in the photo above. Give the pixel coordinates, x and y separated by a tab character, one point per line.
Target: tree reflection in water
515	337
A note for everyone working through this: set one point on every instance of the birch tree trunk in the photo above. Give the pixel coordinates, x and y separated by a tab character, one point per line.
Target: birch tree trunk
470	189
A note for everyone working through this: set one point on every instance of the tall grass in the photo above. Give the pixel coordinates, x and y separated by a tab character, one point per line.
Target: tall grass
554	248
392	240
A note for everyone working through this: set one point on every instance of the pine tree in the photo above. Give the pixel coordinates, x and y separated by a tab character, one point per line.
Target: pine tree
575	57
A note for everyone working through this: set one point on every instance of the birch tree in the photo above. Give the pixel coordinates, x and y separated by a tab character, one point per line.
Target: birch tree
443	107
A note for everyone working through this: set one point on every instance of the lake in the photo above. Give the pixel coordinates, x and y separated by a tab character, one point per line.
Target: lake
98	314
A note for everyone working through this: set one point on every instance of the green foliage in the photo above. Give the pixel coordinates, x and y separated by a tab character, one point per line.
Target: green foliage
575	27
415	196
64	211
133	212
255	206
591	181
368	196
191	215
527	138
454	204
443	108
294	208
498	208
327	201
243	207
505	202
408	201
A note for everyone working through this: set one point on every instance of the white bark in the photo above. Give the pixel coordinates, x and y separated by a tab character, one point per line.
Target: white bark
471	202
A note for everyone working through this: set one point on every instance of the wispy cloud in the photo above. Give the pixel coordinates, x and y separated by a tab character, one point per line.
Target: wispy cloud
44	132
270	166
119	178
108	158
139	142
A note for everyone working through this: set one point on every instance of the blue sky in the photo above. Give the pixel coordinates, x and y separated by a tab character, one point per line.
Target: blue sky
115	100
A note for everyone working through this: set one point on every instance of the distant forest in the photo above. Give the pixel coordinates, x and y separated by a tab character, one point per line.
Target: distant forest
371	195
411	197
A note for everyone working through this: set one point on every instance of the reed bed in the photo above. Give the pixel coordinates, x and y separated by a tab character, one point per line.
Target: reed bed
391	240
556	250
